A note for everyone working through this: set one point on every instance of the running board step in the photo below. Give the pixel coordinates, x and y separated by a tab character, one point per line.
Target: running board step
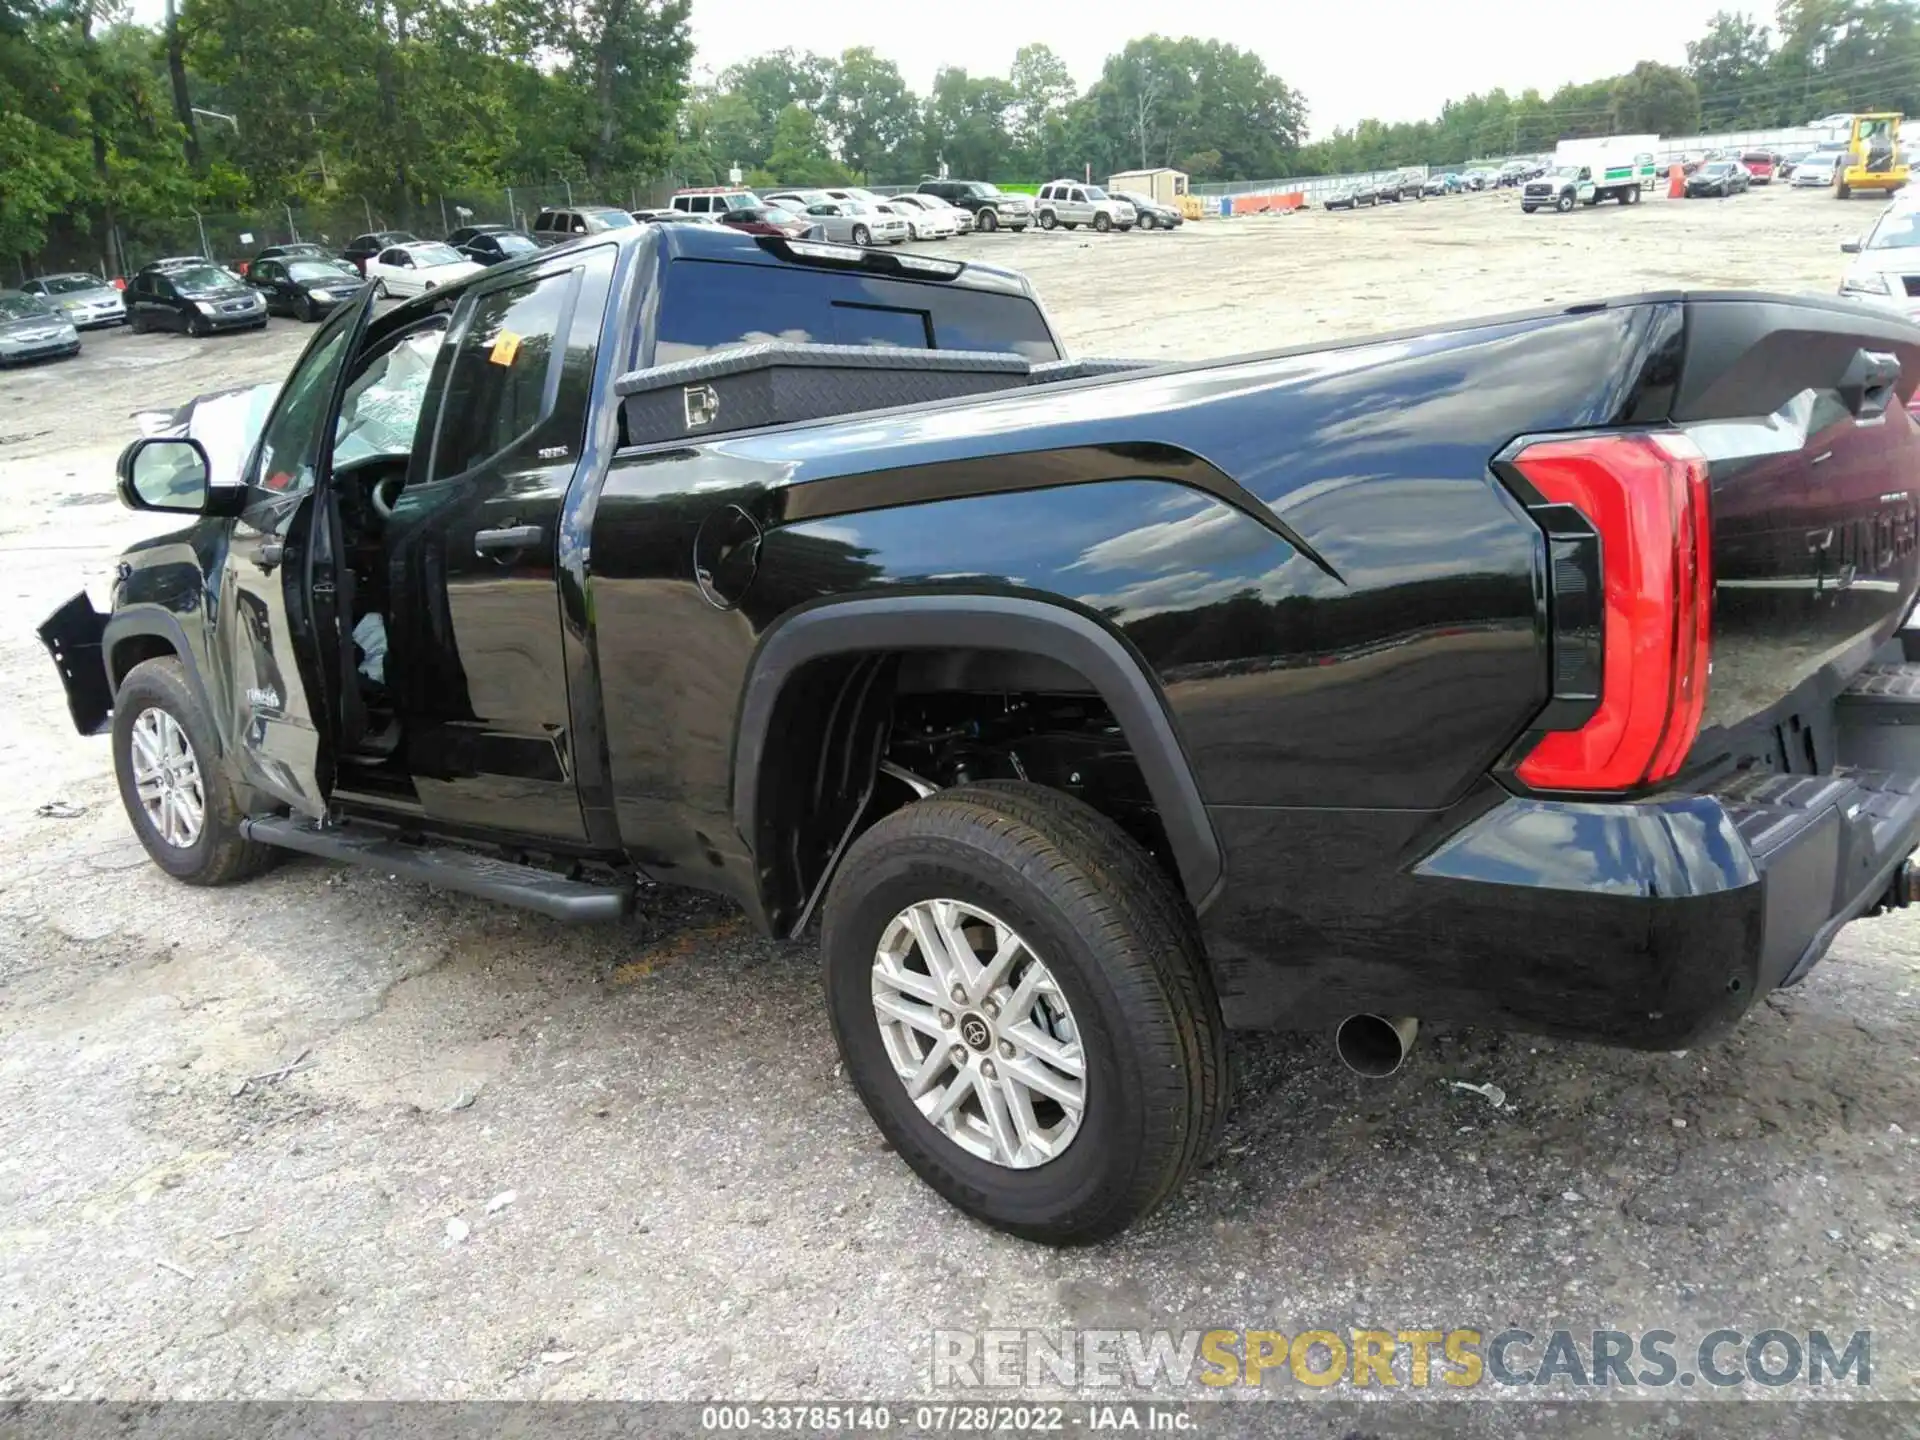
578	902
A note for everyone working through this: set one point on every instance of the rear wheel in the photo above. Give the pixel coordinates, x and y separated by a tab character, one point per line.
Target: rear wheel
166	759
1023	1005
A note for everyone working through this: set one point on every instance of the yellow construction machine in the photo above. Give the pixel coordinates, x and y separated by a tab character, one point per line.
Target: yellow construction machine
1874	159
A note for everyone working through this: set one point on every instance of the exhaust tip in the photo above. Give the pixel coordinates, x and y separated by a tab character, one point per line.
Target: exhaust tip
1374	1045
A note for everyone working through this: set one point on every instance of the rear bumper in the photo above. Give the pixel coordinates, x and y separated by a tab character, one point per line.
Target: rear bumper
1649	923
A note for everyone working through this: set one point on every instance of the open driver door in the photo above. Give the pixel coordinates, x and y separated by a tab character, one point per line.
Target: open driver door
279	630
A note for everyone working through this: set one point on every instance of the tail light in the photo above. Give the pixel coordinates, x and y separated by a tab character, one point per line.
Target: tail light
1631	589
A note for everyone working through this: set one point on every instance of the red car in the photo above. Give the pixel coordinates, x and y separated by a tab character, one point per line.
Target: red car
1760	165
765	220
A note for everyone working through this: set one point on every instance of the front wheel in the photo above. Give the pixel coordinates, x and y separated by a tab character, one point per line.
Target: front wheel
197	326
309	312
1022	1003
986	222
1147	222
166	759
1842	190
1047	220
1102	223
862	235
380	291
1528	209
1565	203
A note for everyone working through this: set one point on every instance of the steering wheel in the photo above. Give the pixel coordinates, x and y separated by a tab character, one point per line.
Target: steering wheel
385	495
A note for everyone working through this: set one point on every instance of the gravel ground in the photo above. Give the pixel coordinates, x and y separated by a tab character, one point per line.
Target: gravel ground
522	1161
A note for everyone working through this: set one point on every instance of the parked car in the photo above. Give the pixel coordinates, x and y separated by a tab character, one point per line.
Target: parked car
767	220
1071	204
926	217
1512	173
1759	165
494	245
1816	171
293	249
1407	185
1717	179
798	201
1036	833
196	298
673	217
305	289
1366	193
1885	269
363	248
992	209
961	216
857	223
419	267
920	223
1153	214
32	329
713	200
1347	197
86	300
1436	185
562	227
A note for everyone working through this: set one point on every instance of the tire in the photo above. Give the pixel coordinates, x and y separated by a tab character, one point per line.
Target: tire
197	327
1047	220
1631	197
137	324
1102	223
862	235
986	222
1841	190
307	311
380	291
1565	203
1125	956
1147	222
218	853
1528	209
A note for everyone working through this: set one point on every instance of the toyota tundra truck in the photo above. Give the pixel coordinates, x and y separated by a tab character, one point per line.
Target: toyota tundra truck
1540	672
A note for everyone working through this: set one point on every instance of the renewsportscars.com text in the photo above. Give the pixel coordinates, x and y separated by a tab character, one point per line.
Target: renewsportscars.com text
1462	1357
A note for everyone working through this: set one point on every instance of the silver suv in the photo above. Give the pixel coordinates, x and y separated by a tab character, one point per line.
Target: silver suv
1072	204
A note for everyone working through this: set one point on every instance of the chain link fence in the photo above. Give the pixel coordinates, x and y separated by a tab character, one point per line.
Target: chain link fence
129	242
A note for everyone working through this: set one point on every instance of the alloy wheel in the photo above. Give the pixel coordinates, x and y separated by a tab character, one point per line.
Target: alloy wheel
979	1031
166	776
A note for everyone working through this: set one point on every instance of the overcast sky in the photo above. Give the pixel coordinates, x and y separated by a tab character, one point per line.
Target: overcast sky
1392	59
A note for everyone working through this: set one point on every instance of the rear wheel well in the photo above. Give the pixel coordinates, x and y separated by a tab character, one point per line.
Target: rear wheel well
855	736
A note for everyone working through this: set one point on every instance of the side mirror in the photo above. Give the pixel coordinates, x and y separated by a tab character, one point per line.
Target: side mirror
1850	247
165	473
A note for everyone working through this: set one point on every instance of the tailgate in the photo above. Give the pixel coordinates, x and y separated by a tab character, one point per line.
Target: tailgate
1799	406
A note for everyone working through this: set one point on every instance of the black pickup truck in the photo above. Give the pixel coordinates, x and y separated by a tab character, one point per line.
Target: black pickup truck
1539	673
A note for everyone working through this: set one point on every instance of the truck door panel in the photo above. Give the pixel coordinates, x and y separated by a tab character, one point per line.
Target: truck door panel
476	658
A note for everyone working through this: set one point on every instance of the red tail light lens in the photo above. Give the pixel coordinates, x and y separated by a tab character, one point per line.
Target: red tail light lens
1647	496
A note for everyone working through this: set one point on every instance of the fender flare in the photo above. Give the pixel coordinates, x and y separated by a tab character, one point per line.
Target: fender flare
989	622
151	620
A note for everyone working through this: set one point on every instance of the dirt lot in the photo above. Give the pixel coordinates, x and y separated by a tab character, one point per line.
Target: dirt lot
664	1187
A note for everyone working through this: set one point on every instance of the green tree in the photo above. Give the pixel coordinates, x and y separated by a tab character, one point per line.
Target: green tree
1654	99
873	116
964	125
1730	66
799	154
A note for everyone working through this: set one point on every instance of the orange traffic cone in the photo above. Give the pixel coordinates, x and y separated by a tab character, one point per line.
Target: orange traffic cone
1676	182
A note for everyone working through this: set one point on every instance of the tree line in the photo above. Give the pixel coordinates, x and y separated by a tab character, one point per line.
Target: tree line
229	105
